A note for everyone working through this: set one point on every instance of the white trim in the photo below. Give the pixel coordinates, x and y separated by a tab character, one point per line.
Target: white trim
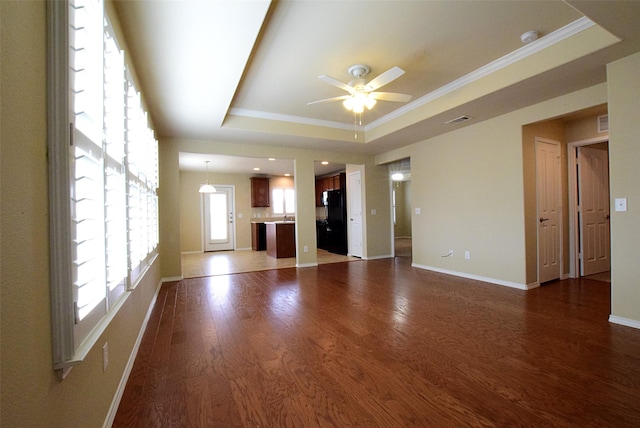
115	403
386	256
477	277
574	261
306	265
292	119
172	278
58	138
243	249
624	321
539	45
191	252
532	285
551	39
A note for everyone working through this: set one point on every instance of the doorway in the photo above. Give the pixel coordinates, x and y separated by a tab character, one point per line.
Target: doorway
400	174
218	207
589	215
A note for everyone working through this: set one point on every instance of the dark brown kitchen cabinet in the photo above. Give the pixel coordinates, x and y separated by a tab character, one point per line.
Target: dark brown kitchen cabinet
260	192
334	182
258	236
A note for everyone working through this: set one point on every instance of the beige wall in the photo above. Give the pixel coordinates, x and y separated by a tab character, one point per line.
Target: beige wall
624	159
585	128
469	184
191	208
403	209
304	184
473	189
32	396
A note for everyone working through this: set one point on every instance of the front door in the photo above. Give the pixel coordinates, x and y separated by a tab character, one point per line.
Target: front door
218	219
593	182
549	209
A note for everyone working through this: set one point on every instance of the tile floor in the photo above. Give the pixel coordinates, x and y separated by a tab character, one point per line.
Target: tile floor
226	262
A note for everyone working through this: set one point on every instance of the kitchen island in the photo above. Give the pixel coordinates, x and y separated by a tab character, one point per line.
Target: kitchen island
281	239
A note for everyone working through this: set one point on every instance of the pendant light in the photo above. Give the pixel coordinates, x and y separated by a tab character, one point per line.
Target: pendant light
206	187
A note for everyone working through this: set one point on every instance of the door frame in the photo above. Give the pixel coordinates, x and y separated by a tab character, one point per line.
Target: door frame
574	260
203	218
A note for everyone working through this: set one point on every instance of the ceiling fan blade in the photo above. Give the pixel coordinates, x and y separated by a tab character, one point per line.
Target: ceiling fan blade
326	100
336	82
386	77
391	96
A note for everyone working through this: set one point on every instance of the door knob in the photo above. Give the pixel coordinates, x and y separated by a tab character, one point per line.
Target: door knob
542	219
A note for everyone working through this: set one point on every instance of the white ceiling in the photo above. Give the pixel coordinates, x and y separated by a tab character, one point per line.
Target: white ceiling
244	71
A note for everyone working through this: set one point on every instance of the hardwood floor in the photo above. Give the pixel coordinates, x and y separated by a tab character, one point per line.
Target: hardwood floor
381	344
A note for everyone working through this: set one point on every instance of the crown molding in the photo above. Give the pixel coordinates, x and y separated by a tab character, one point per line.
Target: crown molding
290	118
539	45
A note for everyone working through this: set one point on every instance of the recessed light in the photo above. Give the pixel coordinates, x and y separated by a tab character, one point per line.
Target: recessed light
256	169
398	176
272	159
324	163
287	175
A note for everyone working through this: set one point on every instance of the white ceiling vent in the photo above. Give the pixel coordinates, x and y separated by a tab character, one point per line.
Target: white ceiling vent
603	123
458	120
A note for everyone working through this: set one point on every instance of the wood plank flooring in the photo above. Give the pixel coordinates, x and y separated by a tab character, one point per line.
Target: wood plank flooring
381	344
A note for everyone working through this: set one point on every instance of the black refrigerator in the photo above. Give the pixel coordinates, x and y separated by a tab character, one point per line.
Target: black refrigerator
336	207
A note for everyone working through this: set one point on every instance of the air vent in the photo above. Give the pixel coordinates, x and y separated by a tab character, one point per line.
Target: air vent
458	120
603	123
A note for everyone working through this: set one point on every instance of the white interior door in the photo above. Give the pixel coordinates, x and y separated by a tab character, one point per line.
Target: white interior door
354	191
593	191
218	219
548	188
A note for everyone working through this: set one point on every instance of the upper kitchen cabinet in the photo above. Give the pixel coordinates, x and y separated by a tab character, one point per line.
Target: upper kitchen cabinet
260	192
333	182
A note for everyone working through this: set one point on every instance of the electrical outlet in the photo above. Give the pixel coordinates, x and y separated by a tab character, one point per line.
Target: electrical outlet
105	356
305	249
467	255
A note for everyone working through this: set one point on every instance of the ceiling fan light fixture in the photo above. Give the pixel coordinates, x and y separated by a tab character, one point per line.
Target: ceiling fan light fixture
358	101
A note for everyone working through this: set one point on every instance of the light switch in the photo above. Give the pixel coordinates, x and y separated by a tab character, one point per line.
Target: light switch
374	212
621	204
417	210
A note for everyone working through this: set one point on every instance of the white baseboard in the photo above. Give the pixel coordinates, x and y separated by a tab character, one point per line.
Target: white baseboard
115	403
172	278
191	252
387	256
243	249
624	321
304	265
477	277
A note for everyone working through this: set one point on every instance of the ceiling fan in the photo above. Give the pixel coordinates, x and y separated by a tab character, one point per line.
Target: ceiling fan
361	93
